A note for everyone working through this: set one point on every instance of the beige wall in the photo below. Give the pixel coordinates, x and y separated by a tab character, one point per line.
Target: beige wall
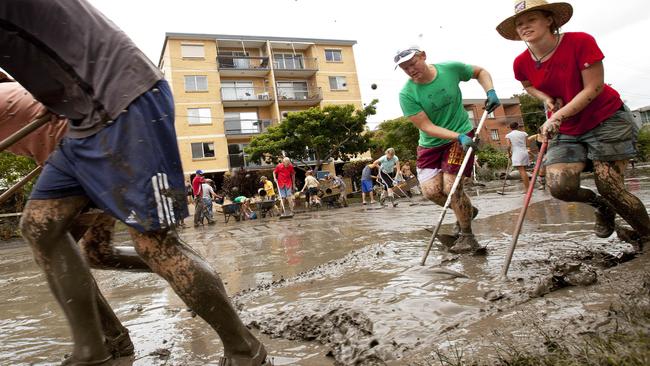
346	68
176	67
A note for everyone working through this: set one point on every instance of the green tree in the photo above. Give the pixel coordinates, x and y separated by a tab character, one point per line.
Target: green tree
321	134
532	110
12	169
643	144
400	134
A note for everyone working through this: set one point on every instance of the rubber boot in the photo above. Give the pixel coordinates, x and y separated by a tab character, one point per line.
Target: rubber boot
604	226
465	243
456	230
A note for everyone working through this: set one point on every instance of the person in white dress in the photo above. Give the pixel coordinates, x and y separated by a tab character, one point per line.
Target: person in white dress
518	151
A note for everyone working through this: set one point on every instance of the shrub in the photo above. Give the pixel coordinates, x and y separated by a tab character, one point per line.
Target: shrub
241	183
643	144
493	158
353	169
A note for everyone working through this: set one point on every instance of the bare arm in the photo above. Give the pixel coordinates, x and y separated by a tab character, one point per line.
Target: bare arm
593	81
483	77
423	123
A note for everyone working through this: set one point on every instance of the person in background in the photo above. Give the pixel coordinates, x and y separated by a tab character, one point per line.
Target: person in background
367	184
245	210
338	182
589	120
518	151
311	185
207	196
389	171
284	176
268	187
197	190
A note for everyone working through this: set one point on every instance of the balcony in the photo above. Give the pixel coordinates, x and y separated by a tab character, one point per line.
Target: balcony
299	96
243	66
246	96
295	67
242	127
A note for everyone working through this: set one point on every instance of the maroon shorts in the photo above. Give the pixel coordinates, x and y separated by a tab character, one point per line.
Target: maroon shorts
448	158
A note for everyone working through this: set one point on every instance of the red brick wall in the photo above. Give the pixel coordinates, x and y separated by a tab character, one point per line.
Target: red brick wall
503	115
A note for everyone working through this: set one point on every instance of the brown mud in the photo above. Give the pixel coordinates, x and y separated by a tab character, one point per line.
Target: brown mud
345	286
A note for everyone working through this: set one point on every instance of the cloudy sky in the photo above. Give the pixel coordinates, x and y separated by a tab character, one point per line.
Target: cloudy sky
447	30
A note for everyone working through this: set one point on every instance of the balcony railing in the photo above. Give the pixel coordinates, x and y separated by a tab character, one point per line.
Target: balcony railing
246	126
243	63
246	96
292	95
296	63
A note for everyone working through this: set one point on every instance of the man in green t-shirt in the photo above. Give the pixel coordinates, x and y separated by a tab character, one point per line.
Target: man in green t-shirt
432	101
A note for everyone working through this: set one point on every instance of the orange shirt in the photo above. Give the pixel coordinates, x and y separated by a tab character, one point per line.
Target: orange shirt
17	109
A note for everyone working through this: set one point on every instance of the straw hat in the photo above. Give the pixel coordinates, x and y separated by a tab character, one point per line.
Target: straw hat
561	12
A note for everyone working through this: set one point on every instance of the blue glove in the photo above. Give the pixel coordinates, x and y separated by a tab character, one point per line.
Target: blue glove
492	101
467	142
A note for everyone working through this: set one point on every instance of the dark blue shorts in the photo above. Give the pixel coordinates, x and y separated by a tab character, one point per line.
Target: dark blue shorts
366	186
130	169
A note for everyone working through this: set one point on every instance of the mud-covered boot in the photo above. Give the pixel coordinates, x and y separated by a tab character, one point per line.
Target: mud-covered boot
392	201
632	237
456	230
542	183
466	243
382	200
605	215
120	345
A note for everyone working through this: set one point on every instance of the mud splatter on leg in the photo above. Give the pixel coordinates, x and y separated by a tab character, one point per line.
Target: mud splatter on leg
45	225
198	285
609	177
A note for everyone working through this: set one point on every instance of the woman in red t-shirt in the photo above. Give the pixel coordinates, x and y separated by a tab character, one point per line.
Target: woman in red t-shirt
590	121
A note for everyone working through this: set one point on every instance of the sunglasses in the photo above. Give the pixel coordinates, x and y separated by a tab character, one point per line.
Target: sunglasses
404	54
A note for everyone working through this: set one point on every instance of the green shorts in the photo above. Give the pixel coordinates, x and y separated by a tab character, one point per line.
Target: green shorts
612	140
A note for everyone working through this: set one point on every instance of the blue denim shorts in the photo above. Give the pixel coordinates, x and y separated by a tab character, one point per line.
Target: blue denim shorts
285	192
131	168
612	140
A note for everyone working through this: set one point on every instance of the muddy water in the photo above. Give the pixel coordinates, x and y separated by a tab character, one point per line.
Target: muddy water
352	285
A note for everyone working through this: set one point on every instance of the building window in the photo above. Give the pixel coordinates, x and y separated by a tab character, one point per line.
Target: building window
494	135
196	83
192	51
338	83
199	116
292	90
288	61
240	90
333	56
470	115
201	150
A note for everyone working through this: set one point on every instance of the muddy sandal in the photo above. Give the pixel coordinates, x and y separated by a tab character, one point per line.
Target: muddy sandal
259	359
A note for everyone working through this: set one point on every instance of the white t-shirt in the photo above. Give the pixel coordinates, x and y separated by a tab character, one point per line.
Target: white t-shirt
519	150
207	190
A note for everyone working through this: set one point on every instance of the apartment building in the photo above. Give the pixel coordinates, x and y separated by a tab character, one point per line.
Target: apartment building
498	122
229	88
